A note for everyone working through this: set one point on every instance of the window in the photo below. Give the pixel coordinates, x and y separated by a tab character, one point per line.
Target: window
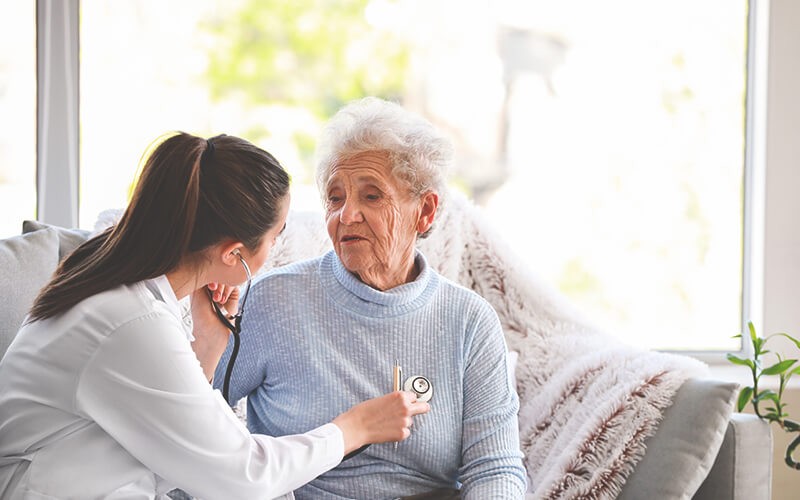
606	142
616	128
624	148
18	109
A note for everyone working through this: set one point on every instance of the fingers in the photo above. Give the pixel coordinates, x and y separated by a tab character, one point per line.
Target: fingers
226	292
408	408
221	293
405	431
418	408
415	407
216	291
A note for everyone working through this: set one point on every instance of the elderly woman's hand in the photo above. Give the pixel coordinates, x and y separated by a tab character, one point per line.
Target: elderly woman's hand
379	420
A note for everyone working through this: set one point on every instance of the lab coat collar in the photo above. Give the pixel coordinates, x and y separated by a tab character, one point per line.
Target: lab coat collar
181	309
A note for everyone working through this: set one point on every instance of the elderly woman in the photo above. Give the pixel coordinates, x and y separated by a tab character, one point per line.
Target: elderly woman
324	334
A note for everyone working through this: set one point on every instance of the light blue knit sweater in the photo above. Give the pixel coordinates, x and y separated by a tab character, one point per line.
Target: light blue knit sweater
316	341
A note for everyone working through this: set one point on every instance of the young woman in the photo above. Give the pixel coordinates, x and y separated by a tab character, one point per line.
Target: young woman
105	390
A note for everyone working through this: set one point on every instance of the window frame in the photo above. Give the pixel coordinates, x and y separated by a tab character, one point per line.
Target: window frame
57	111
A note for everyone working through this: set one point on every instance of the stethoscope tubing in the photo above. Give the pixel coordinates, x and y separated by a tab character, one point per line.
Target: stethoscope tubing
235	327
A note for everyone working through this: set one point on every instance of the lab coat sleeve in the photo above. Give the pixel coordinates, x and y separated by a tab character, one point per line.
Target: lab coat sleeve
145	388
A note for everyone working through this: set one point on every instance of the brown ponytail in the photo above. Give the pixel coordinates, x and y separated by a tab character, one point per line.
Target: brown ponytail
192	193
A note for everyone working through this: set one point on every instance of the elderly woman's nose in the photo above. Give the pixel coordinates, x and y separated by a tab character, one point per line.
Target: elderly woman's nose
351	212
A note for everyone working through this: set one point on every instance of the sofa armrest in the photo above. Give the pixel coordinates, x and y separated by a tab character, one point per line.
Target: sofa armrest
743	467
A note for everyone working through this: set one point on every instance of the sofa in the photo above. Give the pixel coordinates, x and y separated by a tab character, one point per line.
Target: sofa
697	447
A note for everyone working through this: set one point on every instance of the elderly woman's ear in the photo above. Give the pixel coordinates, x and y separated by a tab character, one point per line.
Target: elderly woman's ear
429	202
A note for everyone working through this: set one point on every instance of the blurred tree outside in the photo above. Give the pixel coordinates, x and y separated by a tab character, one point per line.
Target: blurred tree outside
311	56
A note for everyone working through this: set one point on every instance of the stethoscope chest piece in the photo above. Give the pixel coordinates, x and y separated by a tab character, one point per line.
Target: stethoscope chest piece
420	386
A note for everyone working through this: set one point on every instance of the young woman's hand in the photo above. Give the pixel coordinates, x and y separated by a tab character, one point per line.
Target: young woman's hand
211	335
226	296
379	420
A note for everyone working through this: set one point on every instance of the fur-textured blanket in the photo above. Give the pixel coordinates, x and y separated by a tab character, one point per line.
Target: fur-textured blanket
587	402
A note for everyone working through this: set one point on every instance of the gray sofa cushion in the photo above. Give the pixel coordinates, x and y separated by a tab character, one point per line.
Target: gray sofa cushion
681	453
26	264
68	239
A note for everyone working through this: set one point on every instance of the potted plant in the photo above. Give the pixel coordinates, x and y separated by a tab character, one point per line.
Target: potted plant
775	410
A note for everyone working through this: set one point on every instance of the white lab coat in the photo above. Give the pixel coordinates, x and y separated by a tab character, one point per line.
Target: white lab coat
109	401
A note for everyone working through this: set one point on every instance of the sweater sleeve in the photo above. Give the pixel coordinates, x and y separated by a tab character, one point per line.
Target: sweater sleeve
491	457
145	388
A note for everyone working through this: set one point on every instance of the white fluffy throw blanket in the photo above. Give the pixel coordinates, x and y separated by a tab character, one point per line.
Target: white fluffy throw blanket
587	402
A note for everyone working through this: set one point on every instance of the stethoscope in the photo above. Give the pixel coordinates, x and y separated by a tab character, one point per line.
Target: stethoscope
235	327
420	386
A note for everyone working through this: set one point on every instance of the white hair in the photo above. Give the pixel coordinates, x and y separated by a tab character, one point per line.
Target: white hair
418	153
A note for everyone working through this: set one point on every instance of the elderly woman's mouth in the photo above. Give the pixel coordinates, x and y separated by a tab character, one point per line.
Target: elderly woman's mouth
351	238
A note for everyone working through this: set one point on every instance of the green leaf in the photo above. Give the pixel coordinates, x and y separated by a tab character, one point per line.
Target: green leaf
777	408
744	397
796	342
752	328
779	367
739	361
767	394
737	336
758	344
784	380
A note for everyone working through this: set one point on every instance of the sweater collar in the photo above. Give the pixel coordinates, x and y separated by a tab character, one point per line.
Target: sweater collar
354	294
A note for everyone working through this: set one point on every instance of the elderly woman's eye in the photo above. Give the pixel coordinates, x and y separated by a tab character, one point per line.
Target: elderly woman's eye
373	197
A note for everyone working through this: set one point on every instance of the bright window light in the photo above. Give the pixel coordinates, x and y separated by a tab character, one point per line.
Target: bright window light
18	109
605	140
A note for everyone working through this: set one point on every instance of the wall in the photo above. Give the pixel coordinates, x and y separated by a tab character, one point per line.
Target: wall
782	229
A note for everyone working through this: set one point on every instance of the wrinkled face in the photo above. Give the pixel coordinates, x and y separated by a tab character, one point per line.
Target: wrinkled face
372	217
